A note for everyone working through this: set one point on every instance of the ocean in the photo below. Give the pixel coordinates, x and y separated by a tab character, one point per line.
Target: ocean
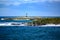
29	33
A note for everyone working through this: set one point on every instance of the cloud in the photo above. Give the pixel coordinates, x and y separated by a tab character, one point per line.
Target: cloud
18	2
10	2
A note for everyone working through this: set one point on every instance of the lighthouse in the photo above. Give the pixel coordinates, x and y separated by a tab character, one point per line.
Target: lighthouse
26	14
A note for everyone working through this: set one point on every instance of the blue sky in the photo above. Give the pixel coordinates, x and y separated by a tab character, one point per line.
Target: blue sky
32	7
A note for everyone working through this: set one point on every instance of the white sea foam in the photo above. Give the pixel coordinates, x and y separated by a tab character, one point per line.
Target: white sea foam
20	24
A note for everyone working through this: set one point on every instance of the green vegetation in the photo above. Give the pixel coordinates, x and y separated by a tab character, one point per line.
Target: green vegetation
43	21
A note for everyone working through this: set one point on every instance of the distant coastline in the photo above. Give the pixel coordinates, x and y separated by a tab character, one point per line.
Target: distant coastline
32	20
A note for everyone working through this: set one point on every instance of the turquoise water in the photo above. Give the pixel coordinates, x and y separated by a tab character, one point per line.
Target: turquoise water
29	33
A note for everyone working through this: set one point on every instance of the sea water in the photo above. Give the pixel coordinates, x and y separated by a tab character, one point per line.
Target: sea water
29	33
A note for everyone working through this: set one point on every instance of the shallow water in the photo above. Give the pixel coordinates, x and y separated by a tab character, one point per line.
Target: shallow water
29	33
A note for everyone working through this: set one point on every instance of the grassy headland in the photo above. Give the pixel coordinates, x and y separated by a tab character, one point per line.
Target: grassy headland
38	20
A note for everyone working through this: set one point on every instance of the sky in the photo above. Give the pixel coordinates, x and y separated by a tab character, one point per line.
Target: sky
31	7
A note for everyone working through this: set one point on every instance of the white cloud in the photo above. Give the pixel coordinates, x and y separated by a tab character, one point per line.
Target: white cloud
18	2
